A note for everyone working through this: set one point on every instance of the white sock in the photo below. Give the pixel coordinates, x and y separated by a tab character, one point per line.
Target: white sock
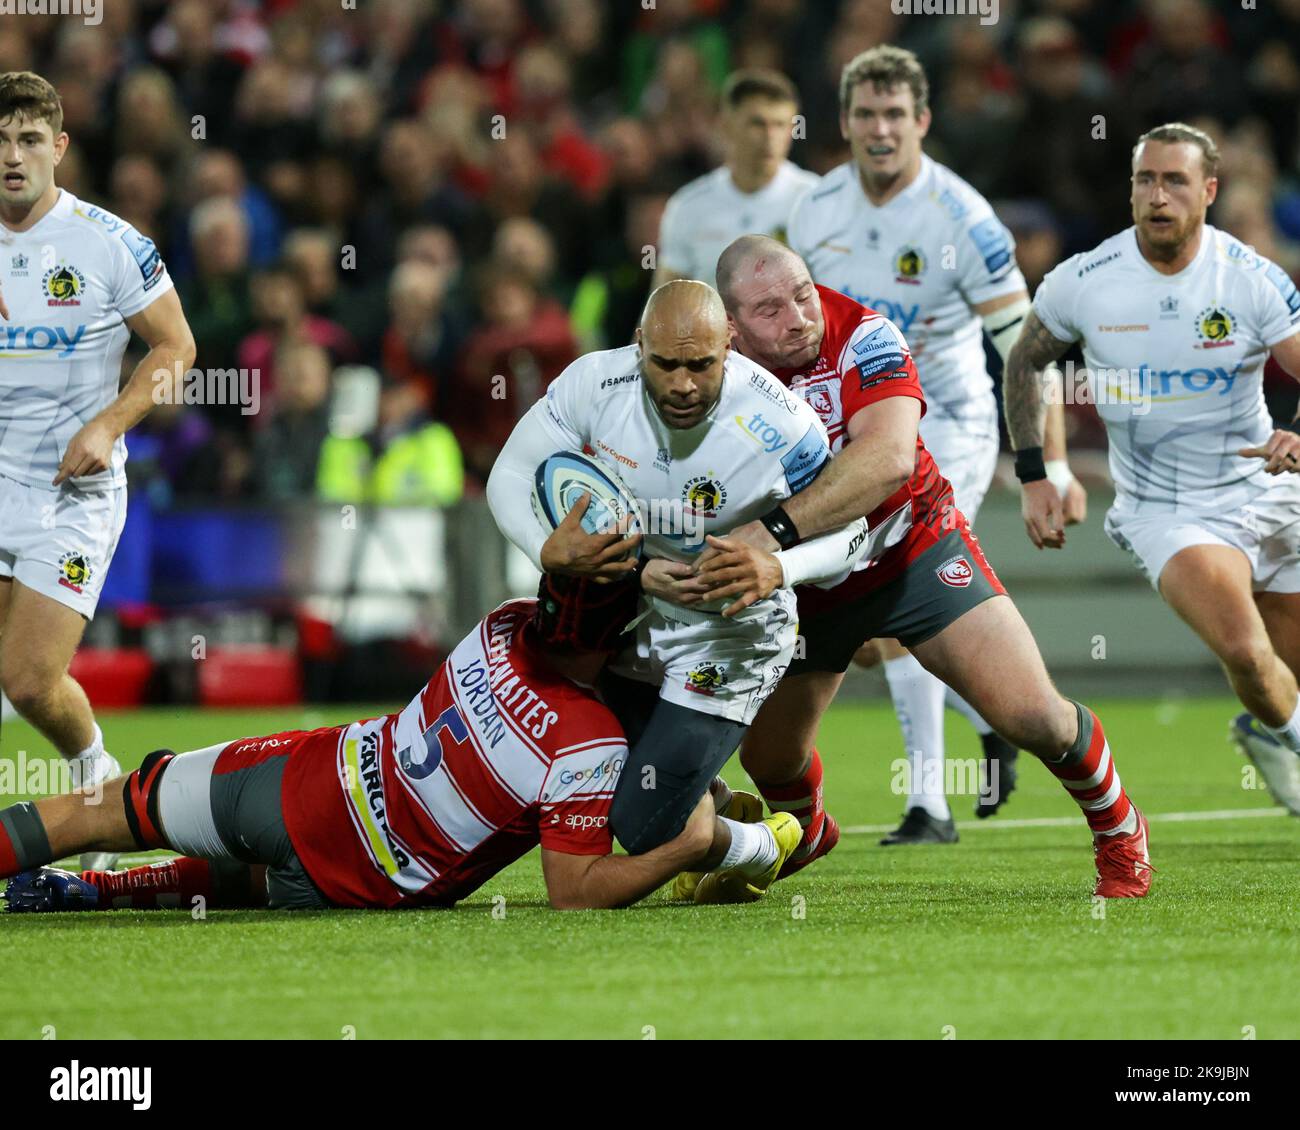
953	700
1289	733
753	848
96	747
918	701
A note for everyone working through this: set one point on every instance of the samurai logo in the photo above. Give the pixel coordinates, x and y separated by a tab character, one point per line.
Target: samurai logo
705	495
909	265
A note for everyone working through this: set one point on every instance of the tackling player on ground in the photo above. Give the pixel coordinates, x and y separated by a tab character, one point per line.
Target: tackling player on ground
75	283
1177	320
504	748
923	579
753	191
906	236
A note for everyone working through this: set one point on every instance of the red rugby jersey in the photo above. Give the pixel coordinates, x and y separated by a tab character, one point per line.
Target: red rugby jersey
864	359
495	755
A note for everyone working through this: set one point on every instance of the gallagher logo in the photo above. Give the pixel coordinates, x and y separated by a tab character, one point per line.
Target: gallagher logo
1214	326
74	569
955	572
63	286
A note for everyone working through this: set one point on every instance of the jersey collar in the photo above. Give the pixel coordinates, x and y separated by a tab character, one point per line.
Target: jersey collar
1208	235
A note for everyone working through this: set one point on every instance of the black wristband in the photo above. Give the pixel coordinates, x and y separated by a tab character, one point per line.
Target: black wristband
639	572
1029	465
780	526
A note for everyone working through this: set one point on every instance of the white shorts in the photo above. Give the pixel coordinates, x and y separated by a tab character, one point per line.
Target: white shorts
716	666
60	542
1267	531
967	455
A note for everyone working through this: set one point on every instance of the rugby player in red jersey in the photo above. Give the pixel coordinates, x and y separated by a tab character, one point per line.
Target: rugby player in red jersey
506	747
924	581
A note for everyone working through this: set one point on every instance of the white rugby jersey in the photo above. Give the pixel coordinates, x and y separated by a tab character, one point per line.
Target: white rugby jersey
759	445
1176	364
70	283
703	218
923	259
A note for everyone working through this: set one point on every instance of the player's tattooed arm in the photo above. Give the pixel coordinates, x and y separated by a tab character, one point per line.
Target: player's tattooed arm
1024	382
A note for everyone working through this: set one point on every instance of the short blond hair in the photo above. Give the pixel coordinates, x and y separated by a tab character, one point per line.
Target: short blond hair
885	67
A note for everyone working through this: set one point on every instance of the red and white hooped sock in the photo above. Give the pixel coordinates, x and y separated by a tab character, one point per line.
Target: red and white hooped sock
802	798
1088	773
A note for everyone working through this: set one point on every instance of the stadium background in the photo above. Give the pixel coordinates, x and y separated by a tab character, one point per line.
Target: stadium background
406	218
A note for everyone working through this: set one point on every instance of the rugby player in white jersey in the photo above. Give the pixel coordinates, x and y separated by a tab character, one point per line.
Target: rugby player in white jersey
907	237
922	577
1177	320
505	748
75	283
708	440
753	191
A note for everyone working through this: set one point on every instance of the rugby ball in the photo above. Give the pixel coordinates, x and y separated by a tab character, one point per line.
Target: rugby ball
563	478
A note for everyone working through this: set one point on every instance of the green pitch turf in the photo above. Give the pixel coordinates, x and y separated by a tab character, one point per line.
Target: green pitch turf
994	937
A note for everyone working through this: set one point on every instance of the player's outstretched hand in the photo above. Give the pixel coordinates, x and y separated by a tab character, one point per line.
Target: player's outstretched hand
1044	515
674	581
89	452
572	551
738	570
1281	453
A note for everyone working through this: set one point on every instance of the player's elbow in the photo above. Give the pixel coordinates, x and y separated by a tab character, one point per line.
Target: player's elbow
900	462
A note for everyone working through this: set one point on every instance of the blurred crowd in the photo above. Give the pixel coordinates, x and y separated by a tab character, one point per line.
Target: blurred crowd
410	215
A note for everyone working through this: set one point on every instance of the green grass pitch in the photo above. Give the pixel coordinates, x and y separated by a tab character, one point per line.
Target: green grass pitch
994	937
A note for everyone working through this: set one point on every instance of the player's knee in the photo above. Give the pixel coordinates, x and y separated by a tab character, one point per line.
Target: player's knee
1046	728
1247	658
869	654
640	826
27	687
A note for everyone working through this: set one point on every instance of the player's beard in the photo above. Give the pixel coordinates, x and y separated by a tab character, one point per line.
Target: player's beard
1168	242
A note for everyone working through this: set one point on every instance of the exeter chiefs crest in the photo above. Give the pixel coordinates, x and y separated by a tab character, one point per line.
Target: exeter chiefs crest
706	680
909	266
1214	326
63	286
74	570
705	495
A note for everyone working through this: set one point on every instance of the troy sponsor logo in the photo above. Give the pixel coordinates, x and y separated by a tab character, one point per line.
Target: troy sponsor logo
38	339
768	438
904	317
955	572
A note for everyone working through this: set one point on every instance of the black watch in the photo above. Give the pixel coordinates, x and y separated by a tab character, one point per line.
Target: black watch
780	526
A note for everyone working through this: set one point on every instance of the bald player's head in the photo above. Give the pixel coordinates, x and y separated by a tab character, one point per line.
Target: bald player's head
775	310
684	339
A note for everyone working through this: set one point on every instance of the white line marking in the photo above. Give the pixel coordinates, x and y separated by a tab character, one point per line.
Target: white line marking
1077	820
